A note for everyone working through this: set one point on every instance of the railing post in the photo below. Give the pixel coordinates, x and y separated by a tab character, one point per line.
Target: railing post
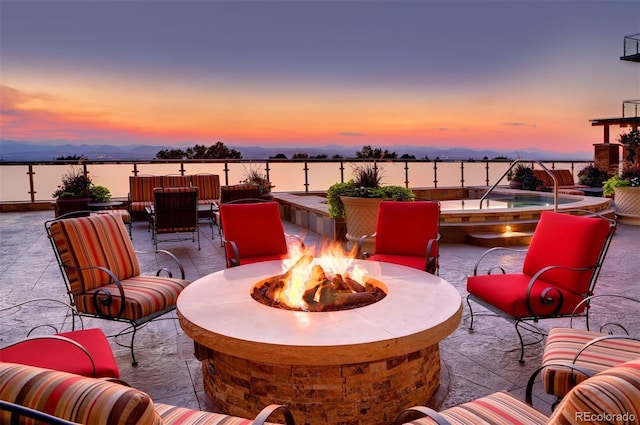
32	192
435	173
406	174
226	173
135	169
486	167
341	171
266	170
306	177
462	173
182	170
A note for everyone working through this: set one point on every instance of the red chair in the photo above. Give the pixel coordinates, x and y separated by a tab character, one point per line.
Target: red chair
560	270
253	232
407	234
84	352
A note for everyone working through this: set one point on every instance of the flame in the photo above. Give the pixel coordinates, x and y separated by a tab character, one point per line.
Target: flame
333	260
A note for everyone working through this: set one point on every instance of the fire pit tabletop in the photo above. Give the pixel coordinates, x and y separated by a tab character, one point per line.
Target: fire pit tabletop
420	309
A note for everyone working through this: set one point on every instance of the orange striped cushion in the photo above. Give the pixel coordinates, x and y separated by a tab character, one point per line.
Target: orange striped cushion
499	408
612	396
144	295
98	240
175	180
208	186
564	343
141	187
73	397
172	415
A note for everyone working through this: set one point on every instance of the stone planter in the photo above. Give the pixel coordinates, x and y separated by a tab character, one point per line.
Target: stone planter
627	201
361	218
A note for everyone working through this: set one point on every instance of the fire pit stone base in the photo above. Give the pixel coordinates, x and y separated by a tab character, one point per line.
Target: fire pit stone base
351	394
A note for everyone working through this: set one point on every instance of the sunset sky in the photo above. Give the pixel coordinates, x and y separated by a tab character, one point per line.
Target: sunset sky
477	74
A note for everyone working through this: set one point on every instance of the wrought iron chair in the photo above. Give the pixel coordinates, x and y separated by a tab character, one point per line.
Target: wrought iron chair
100	269
591	351
560	270
612	394
84	352
406	234
175	210
253	232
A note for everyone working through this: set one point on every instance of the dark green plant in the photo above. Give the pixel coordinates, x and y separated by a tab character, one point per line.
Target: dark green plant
592	176
365	184
74	183
100	193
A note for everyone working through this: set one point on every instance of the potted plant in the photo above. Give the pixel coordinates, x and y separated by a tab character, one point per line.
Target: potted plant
522	177
592	176
358	199
259	178
76	191
625	185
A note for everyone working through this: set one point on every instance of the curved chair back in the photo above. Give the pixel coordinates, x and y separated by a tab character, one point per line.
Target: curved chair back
176	209
256	231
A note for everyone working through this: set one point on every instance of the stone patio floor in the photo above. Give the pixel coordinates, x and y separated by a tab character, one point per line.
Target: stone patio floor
474	363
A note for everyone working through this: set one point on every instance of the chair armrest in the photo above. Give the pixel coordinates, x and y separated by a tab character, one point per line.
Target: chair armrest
106	301
590	299
269	410
534	375
492	251
547	298
432	262
416	412
63	339
36	415
164	269
359	253
235	261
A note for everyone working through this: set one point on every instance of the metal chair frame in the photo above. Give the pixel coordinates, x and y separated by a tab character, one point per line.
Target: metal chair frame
548	296
134	325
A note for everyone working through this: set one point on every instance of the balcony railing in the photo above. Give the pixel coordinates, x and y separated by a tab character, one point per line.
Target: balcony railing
36	181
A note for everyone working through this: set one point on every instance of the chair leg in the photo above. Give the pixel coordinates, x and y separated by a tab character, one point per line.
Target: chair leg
521	342
471	314
133	329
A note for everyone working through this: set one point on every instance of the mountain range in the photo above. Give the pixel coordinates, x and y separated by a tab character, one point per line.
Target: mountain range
25	151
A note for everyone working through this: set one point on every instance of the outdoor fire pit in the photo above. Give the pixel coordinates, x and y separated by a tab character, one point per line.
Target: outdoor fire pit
361	365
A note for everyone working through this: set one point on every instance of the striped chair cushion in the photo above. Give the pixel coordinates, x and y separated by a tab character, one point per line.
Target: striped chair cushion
208	187
172	415
499	408
175	180
73	397
97	240
612	396
564	343
141	187
144	295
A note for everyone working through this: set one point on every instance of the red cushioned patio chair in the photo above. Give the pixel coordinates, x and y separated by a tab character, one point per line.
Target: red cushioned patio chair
407	233
253	232
102	274
84	352
560	270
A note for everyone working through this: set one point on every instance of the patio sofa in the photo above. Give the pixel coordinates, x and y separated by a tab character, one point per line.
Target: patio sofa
141	188
566	184
27	391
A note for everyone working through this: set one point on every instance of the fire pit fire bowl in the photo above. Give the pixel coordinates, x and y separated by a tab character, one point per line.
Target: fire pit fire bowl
356	366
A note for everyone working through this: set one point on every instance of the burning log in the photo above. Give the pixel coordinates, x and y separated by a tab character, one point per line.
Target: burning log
324	294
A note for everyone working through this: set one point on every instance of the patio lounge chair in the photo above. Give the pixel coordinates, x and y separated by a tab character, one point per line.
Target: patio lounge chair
102	275
560	270
613	393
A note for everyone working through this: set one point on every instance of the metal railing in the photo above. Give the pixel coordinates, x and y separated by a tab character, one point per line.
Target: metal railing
36	181
520	161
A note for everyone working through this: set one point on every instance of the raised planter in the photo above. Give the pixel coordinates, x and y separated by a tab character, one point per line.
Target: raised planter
361	218
627	201
71	204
